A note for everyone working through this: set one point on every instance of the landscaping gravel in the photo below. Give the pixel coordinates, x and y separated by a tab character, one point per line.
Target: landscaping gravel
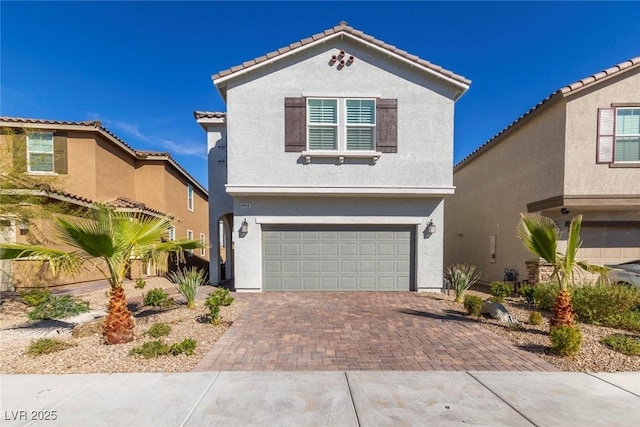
90	355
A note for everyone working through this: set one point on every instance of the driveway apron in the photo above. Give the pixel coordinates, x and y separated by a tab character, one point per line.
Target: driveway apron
315	331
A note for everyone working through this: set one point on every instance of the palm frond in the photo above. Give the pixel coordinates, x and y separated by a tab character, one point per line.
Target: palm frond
539	235
573	242
59	260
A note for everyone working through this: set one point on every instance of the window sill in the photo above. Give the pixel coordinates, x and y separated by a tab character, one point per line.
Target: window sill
341	155
625	165
42	173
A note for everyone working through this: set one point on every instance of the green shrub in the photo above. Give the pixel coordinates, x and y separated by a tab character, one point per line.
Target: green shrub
223	296
140	283
602	304
473	304
187	347
624	344
157	298
151	349
59	307
545	294
629	320
566	340
47	345
158	330
35	297
535	318
187	282
527	292
500	290
461	277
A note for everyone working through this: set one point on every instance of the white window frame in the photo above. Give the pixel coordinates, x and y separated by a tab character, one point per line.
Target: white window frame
190	237
172	233
341	126
202	242
190	198
616	135
29	152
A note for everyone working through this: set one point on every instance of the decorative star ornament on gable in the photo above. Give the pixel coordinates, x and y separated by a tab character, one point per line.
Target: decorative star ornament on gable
341	59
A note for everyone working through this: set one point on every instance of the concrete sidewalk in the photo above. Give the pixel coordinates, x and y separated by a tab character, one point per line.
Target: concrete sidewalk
353	398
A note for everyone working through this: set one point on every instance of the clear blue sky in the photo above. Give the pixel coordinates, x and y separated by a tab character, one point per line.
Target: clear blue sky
144	67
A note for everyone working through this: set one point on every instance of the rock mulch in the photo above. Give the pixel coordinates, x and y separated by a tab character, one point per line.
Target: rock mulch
593	356
90	355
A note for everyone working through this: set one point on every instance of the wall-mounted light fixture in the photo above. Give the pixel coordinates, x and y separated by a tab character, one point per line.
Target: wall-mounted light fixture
244	227
431	227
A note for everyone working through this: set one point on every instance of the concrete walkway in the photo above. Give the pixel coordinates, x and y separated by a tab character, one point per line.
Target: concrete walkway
353	398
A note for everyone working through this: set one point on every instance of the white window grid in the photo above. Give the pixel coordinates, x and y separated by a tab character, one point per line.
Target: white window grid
341	125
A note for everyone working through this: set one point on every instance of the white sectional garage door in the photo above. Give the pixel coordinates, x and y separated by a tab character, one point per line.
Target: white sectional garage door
337	258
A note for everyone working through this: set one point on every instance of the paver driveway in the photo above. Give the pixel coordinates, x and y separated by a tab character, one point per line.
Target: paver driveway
309	331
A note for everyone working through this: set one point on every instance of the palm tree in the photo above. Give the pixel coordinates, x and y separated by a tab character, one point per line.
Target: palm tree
540	236
109	241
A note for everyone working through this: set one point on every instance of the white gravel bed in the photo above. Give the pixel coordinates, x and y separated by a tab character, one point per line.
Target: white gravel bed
593	356
90	355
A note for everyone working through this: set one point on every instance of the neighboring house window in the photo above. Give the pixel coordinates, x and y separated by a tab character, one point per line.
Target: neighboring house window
40	152
190	198
190	237
341	124
202	242
619	135
172	233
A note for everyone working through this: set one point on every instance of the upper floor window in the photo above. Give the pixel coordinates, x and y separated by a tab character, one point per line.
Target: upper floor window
190	198
341	124
618	135
202	243
40	152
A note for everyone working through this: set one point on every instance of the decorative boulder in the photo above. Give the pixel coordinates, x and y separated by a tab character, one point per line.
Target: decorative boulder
89	329
498	311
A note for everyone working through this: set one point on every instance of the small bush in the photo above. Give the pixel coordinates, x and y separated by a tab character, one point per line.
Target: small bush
47	345
527	292
566	340
545	294
624	344
187	347
473	305
59	307
140	284
500	290
187	282
151	349
223	296
629	320
157	297
35	297
461	277
535	318
602	304
158	330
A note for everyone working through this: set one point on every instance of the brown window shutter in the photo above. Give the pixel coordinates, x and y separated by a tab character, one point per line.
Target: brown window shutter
19	142
295	124
387	125
60	153
606	135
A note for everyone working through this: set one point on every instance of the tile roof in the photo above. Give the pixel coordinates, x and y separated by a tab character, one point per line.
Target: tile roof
209	115
124	203
342	27
97	126
549	100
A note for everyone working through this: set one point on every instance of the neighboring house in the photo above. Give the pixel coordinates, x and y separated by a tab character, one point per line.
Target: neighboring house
576	152
330	166
83	163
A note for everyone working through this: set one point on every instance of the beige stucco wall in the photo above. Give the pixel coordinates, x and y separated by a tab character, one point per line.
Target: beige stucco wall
81	164
492	190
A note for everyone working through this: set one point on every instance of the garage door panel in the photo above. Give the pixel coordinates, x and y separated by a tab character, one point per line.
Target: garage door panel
347	258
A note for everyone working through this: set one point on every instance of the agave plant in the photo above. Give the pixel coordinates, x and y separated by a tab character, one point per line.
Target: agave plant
540	236
187	282
461	277
108	241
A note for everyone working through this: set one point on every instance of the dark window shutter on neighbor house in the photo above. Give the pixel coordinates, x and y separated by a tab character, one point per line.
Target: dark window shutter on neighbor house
606	137
295	124
387	125
60	153
19	152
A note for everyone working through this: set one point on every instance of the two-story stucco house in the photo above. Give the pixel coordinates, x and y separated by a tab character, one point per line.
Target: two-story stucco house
79	164
331	164
576	152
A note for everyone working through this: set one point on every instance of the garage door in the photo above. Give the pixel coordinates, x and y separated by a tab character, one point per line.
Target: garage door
337	258
609	245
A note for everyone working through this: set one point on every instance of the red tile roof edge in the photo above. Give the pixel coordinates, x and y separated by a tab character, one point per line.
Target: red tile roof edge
558	94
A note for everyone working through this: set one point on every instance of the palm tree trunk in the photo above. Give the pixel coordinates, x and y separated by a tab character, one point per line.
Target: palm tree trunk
118	328
562	311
